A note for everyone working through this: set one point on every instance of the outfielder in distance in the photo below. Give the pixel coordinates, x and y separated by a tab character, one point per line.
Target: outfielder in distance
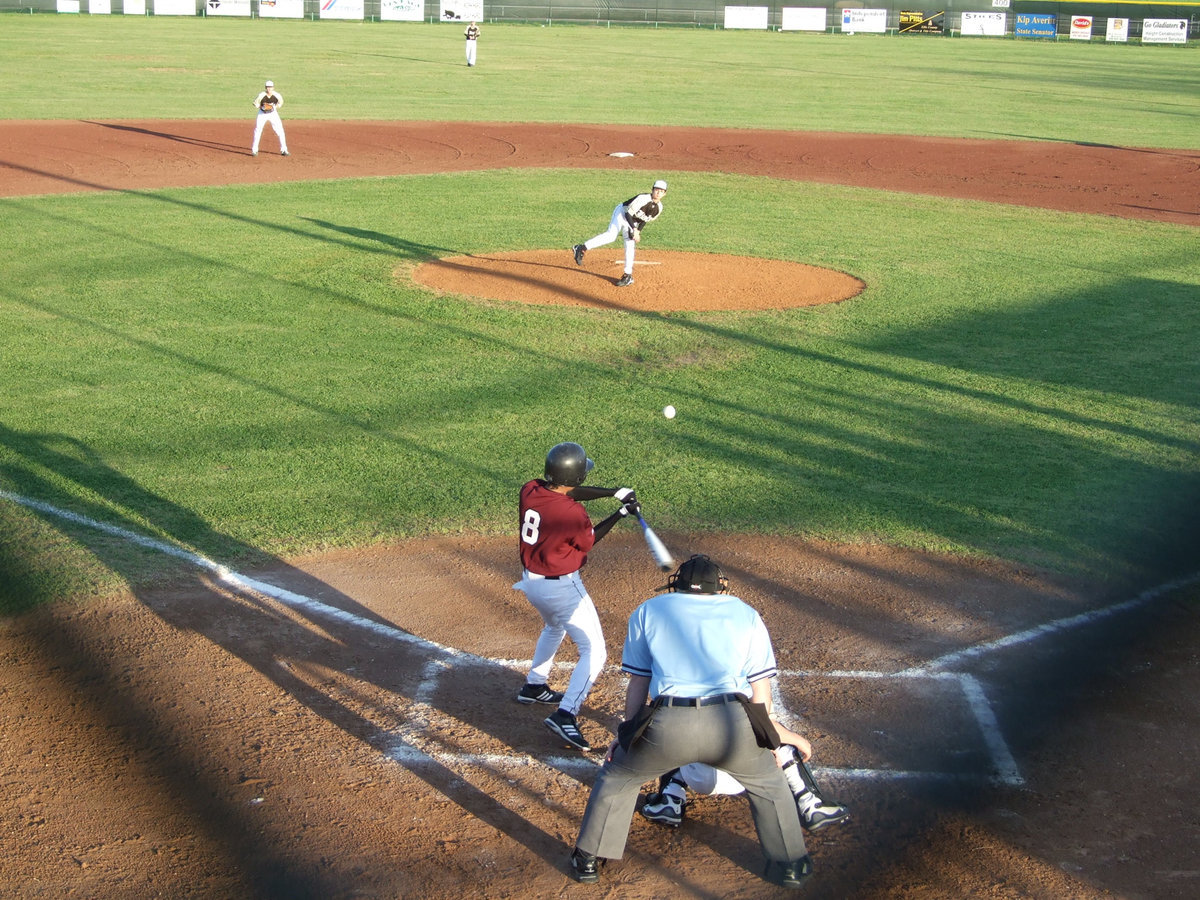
627	222
556	535
268	103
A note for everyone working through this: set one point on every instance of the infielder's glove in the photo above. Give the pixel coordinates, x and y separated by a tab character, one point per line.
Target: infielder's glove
268	107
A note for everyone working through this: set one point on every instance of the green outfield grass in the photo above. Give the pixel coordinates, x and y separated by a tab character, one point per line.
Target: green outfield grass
242	370
132	68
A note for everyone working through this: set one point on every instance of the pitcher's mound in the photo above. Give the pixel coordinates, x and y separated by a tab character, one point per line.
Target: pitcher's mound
663	280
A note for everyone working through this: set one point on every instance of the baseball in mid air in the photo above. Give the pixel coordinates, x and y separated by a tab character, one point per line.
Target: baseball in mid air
669	412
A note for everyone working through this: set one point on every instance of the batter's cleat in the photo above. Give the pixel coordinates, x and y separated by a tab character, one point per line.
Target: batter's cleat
585	867
538	693
254	153
625	281
664	809
284	153
564	725
790	874
816	813
579	250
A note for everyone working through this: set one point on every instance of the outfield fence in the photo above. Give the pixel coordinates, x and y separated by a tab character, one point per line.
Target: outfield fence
1101	20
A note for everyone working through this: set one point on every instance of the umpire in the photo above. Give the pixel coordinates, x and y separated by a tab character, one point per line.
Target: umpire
706	659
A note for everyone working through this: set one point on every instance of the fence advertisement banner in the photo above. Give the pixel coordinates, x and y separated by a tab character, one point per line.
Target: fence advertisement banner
1081	28
1164	31
100	7
462	10
343	9
227	8
872	21
754	17
1036	25
916	22
175	7
281	9
803	18
1117	30
989	24
402	10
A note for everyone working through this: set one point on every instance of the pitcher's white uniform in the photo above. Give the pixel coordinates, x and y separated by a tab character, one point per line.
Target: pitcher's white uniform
267	103
628	220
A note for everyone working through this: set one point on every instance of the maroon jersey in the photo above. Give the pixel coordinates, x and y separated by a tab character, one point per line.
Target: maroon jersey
556	533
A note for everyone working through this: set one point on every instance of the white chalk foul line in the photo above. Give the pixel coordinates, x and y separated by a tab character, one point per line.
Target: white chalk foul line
405	748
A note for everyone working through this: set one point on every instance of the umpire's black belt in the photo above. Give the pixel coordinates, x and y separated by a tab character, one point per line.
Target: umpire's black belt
668	700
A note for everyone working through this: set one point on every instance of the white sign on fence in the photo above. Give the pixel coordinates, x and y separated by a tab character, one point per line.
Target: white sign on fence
134	7
402	10
803	18
871	20
227	8
1081	28
1117	30
174	7
342	9
1164	31
746	17
67	6
281	9
462	10
985	23
100	7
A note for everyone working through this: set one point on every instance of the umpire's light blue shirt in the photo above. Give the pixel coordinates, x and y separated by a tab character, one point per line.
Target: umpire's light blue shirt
697	645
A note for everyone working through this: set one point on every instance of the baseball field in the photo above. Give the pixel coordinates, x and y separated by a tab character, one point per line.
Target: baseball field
265	419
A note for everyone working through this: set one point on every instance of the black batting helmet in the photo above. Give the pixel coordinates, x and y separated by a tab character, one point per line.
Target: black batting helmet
566	463
698	575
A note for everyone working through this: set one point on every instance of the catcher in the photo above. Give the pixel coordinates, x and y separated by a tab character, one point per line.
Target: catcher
268	103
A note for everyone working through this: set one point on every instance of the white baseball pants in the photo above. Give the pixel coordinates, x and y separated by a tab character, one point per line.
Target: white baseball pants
471	46
276	124
618	227
566	609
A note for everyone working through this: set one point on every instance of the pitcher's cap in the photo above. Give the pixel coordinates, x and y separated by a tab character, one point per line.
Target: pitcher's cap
660	184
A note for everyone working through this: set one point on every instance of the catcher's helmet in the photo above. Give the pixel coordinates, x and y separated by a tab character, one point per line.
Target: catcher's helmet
698	575
566	463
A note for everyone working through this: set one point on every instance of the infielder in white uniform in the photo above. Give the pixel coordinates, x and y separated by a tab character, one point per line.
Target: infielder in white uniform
472	34
267	103
628	220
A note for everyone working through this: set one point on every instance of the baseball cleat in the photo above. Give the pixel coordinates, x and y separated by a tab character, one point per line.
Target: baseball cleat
579	250
585	867
538	693
789	874
284	153
824	815
664	809
625	281
564	725
254	153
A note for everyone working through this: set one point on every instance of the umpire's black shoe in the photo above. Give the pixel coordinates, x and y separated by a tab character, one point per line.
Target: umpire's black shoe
564	725
579	250
585	867
538	693
790	874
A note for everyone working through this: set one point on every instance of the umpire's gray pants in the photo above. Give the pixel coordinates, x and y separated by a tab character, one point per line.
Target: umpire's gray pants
719	735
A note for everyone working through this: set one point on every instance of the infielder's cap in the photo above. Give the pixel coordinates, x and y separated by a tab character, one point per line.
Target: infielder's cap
269	84
660	184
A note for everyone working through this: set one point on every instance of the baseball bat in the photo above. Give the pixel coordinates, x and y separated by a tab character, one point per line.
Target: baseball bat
658	549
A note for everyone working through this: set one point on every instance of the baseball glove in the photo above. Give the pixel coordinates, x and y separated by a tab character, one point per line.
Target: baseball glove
267	107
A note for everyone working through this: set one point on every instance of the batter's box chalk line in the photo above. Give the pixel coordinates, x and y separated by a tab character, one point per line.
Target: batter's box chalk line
410	746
